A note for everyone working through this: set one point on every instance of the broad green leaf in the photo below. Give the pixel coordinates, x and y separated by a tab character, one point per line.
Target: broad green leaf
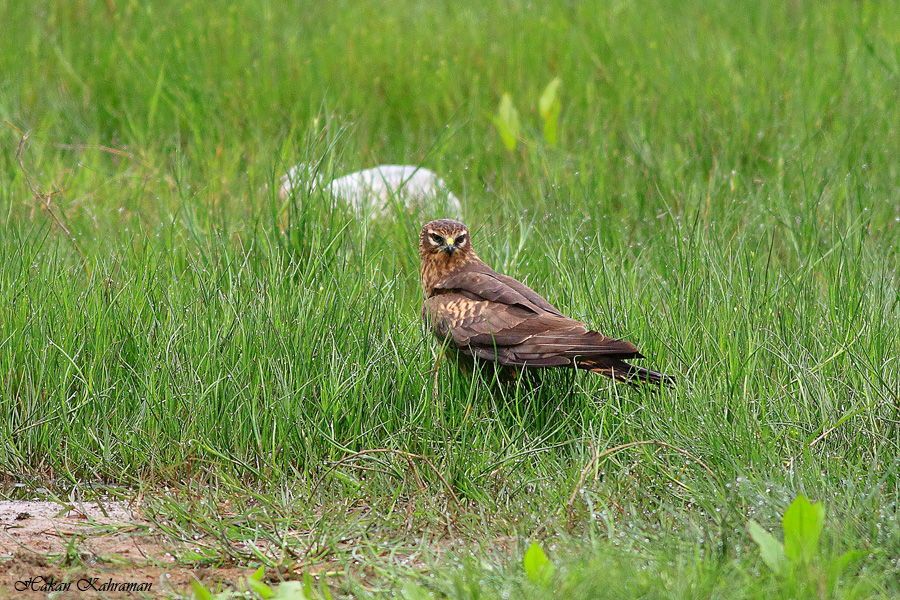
550	106
346	480
538	567
840	564
802	523
770	549
289	590
259	573
549	97
261	589
200	591
507	123
412	591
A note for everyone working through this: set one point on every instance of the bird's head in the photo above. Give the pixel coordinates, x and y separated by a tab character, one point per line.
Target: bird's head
445	240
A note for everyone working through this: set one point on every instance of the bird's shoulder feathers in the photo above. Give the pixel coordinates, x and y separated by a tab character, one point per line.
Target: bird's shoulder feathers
479	279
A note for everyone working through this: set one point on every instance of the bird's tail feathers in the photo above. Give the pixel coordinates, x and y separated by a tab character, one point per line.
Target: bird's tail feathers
624	372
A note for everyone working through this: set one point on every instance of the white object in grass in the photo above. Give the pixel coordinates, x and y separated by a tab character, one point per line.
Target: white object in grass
373	192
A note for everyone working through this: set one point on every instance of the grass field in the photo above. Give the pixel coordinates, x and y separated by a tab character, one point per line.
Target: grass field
724	193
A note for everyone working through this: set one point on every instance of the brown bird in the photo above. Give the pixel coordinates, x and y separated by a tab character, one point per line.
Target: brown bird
493	317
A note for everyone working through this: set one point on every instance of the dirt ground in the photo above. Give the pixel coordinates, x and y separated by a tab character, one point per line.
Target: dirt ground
95	547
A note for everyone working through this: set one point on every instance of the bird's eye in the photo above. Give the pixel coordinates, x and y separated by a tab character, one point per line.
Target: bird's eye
436	239
461	239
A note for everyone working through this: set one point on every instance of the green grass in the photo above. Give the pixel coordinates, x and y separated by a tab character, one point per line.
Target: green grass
724	193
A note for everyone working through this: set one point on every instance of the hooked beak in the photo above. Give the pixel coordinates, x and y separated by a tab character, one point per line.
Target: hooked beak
449	248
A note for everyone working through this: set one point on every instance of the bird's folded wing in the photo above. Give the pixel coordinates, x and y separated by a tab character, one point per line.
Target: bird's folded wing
515	335
463	317
529	293
484	282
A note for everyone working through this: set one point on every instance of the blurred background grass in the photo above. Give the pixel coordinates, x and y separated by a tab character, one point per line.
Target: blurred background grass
724	193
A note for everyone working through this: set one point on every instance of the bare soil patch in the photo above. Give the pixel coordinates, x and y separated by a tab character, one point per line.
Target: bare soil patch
92	546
